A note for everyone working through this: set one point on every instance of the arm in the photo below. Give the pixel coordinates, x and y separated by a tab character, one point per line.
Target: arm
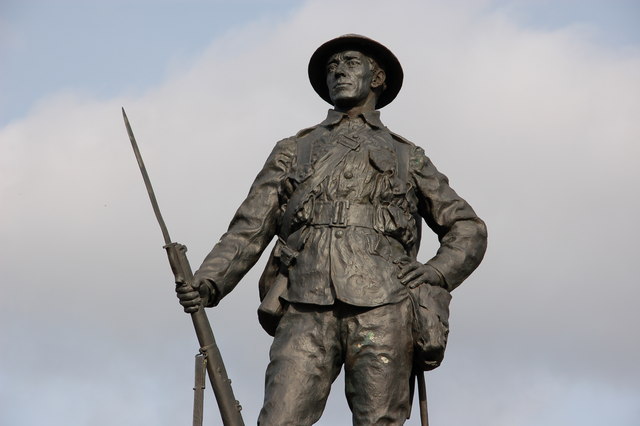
250	231
462	235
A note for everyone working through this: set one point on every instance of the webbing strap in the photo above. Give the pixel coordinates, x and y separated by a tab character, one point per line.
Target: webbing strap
303	157
323	168
402	158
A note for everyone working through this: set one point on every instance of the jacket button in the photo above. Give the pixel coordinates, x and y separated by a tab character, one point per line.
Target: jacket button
339	233
348	175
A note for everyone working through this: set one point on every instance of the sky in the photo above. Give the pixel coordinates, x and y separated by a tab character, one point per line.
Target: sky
530	107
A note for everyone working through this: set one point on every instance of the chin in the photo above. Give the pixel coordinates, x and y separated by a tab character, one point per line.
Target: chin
344	101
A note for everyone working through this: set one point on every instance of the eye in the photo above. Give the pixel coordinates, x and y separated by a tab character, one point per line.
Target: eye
353	63
332	67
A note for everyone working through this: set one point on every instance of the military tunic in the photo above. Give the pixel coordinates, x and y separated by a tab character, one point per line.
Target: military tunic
353	264
346	303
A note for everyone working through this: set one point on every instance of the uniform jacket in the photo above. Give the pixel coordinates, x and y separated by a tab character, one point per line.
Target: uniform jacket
356	264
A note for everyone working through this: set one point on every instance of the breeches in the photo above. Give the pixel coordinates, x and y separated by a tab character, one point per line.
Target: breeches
311	345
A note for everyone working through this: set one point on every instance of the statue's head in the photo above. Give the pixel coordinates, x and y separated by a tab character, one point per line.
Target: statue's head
351	69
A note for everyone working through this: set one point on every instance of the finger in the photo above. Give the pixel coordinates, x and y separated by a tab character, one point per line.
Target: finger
188	296
189	300
188	291
406	269
402	261
183	288
191	309
416	283
410	276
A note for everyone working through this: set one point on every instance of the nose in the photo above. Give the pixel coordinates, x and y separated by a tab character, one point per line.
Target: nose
340	69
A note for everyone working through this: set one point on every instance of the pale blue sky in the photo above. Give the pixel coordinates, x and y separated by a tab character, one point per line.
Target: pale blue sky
107	48
616	21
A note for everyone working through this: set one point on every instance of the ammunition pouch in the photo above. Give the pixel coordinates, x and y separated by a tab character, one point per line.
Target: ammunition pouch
286	254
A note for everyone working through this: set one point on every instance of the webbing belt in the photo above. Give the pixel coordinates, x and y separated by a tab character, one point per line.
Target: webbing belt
342	213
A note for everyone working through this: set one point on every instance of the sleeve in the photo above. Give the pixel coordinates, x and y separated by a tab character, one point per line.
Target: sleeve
462	234
252	227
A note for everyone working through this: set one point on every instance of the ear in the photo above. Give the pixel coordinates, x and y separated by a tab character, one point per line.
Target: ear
378	79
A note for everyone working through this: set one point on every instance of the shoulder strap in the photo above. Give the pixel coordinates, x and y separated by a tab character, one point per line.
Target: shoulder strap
303	156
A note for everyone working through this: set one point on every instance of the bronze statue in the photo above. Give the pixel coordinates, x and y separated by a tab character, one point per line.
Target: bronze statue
346	199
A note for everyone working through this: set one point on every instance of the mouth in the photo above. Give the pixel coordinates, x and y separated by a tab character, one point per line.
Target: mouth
341	85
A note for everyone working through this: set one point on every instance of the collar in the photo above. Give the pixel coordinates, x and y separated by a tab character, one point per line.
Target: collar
334	117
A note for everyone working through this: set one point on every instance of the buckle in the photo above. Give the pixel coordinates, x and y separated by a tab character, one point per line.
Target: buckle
303	173
339	214
349	141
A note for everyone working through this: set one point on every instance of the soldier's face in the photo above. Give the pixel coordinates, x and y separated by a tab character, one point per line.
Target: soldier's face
349	77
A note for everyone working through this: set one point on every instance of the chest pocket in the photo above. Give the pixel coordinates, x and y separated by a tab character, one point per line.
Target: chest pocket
390	156
382	159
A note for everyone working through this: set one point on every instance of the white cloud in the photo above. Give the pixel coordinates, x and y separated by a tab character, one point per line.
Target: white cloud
536	129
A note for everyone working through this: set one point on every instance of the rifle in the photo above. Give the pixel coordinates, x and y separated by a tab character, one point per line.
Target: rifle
227	403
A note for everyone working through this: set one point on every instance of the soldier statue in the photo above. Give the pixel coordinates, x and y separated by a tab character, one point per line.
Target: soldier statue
346	199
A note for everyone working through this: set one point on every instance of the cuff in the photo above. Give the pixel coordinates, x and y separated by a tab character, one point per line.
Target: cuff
210	296
437	279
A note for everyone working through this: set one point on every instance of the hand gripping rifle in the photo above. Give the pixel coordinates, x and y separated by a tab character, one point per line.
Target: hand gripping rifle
209	352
